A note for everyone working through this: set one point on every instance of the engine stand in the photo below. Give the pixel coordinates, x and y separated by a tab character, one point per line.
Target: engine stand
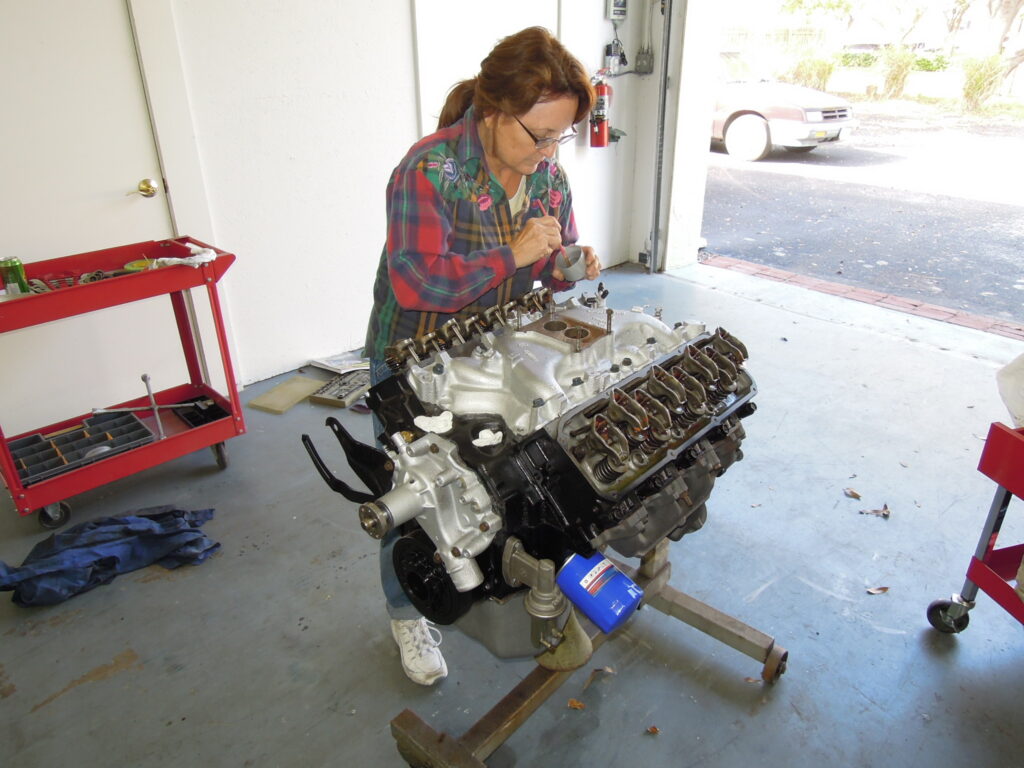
423	747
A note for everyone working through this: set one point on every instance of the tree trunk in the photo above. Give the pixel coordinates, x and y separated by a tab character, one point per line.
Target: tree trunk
1004	13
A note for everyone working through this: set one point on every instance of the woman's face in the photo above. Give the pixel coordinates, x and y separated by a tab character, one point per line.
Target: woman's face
514	149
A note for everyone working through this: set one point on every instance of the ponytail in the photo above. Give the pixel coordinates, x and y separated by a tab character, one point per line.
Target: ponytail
460	97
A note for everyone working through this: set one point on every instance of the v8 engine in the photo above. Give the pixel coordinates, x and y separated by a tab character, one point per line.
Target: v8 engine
533	431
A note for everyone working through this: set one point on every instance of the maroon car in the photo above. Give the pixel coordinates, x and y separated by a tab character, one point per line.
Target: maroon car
752	115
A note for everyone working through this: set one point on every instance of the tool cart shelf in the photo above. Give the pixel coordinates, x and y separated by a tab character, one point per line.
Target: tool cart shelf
991	570
45	466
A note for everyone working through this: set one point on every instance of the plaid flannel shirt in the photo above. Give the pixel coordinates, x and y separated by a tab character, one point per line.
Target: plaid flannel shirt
450	227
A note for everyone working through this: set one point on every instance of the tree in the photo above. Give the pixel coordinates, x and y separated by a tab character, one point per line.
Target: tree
1007	29
954	21
1005	15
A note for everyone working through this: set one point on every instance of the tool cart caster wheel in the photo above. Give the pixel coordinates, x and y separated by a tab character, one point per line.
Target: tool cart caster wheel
938	617
54	515
220	452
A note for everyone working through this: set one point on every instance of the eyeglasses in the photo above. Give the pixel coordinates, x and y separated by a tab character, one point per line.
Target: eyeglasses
540	143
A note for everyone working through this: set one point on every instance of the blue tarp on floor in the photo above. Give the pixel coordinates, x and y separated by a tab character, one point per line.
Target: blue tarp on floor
93	553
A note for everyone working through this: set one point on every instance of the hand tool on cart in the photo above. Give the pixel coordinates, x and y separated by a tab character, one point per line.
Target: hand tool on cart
190	404
152	402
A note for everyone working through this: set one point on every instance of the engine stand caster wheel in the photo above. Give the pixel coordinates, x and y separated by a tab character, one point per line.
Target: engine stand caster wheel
938	617
775	664
54	515
220	453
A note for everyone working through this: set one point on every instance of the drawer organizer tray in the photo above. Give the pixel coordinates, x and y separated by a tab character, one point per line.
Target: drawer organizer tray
38	457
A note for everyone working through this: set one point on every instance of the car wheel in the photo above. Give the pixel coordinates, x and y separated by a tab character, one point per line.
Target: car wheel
748	138
802	150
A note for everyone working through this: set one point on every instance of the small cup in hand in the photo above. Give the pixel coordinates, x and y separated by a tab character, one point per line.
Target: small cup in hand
572	263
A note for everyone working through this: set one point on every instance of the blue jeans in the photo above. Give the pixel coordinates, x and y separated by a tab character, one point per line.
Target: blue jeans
398	604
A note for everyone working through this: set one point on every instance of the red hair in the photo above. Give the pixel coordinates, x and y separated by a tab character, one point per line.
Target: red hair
522	69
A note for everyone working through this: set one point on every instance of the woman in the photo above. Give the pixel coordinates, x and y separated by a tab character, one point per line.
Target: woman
476	213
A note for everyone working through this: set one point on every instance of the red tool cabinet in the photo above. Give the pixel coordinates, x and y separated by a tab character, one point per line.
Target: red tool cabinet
219	419
991	570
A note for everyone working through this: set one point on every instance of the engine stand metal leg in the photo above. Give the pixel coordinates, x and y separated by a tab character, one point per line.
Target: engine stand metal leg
653	576
422	746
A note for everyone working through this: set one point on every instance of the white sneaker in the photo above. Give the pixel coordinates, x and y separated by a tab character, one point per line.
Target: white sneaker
418	641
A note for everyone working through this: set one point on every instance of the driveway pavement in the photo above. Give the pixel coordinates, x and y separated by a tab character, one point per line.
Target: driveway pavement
919	203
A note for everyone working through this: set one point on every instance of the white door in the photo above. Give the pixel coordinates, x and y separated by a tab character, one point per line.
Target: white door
75	141
76	137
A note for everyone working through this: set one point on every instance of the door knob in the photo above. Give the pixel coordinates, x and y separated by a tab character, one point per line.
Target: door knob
147	188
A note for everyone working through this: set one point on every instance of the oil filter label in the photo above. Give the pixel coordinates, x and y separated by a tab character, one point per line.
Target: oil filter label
598	576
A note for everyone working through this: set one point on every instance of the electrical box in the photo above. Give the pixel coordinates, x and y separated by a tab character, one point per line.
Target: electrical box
615	10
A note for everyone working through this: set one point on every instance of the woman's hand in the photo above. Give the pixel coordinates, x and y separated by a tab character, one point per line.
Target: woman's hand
590	259
536	240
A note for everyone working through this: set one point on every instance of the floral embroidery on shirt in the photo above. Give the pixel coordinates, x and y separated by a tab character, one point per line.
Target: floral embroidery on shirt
484	201
451	169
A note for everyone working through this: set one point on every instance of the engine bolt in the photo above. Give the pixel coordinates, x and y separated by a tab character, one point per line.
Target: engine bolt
437	557
577	381
614	368
484	527
627	361
456	552
434	448
438	369
651	340
538	402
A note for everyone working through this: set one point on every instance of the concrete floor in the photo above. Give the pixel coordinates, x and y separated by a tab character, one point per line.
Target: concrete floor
276	652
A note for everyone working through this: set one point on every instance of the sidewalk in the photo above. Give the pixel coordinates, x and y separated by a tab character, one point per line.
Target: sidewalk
912	307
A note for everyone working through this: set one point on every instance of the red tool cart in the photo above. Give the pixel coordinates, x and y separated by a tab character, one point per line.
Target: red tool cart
991	570
46	466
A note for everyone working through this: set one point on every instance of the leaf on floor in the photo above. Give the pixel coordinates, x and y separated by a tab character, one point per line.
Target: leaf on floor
597	672
884	512
653	730
851	493
877	590
576	704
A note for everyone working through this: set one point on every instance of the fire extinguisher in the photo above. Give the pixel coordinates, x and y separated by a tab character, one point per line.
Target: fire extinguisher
599	115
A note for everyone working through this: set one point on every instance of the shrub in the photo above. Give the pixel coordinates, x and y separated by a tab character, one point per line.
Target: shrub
981	79
814	73
898	61
864	60
936	64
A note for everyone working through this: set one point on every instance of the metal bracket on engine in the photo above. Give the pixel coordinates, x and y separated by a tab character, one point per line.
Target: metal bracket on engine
545	602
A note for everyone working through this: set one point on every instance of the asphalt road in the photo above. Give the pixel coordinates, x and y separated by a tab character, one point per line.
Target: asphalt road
915	204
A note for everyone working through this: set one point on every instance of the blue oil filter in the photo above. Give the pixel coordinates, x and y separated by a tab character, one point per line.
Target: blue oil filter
605	594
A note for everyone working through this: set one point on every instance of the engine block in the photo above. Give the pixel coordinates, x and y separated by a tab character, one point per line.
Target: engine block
560	428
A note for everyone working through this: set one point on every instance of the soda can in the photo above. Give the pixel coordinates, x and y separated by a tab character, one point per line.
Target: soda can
14	273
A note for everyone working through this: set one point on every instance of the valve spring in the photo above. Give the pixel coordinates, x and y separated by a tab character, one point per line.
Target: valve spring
604	471
651	445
